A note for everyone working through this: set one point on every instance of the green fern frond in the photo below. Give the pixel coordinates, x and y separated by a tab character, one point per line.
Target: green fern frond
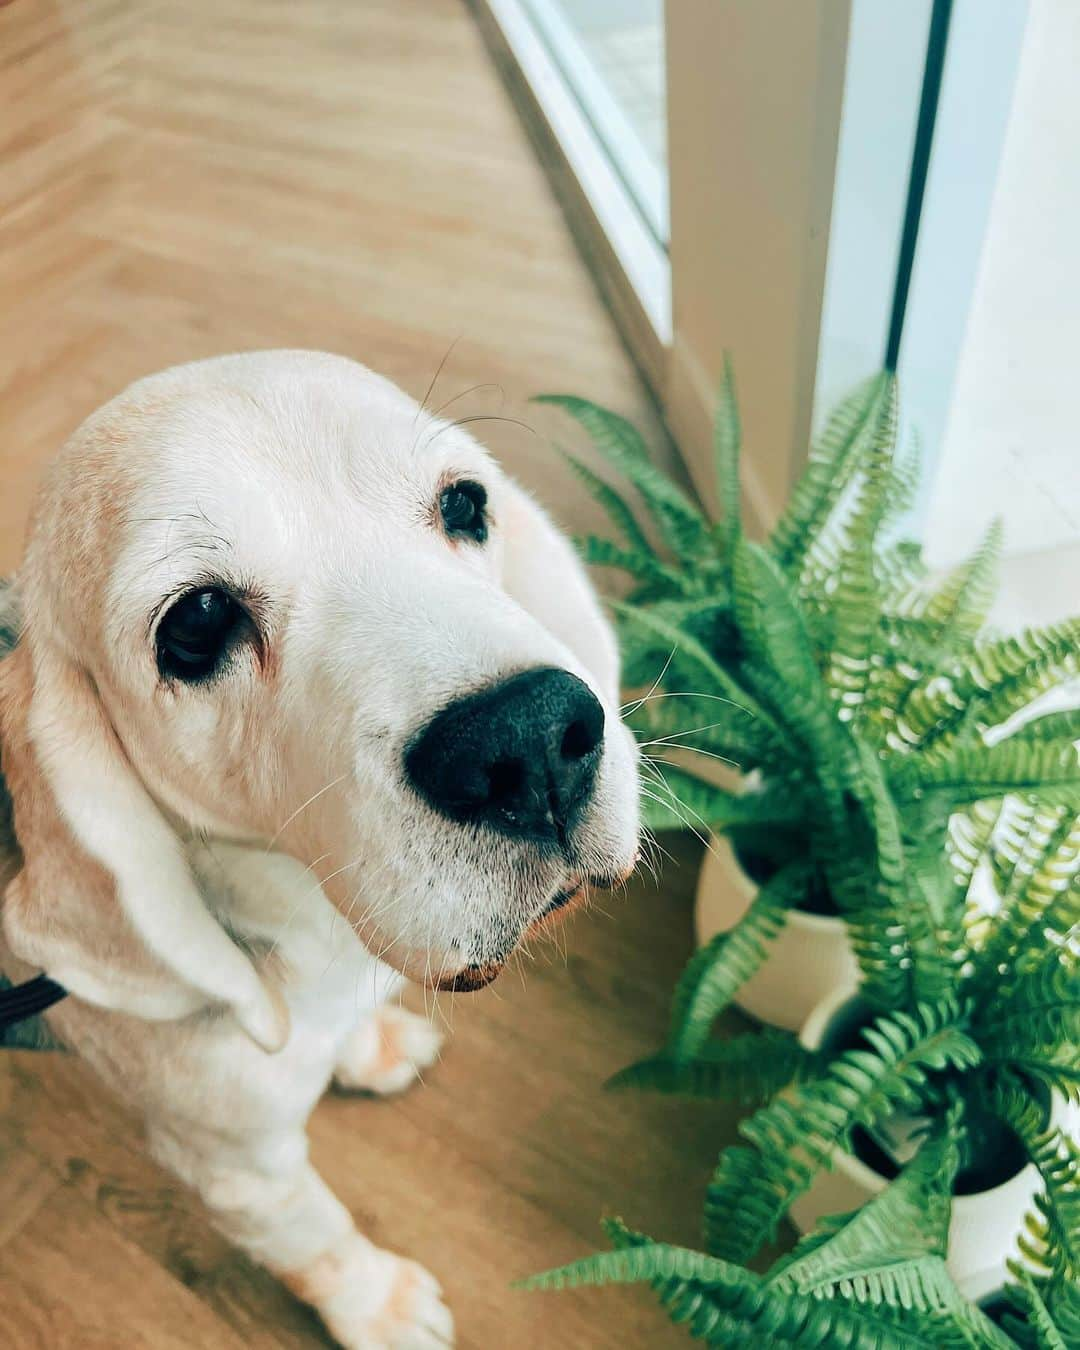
1030	1323
614	505
748	1069
1051	1240
1053	1231
716	972
679	520
1037	1013
1038	880
642	565
725	1305
807	717
855	594
834	459
890	892
907	1221
1055	726
969	844
962	601
727	446
891	1251
794	1137
902	570
971	773
769	621
904	479
995	681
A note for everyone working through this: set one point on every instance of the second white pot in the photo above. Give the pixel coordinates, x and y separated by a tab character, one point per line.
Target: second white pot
984	1226
811	957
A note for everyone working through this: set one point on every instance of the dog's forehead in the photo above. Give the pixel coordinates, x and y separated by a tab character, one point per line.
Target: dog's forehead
290	414
239	439
254	463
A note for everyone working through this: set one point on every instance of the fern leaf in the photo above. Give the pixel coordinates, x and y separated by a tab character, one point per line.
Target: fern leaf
748	1069
680	522
1055	1226
856	597
716	972
972	773
907	1221
834	458
1037	1329
1038	880
891	1252
992	683
889	889
727	445
1055	726
768	618
794	1137
1036	1019
642	1264
642	565
959	606
807	717
618	512
725	1305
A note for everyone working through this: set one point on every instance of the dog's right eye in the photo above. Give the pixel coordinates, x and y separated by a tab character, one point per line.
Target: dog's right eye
195	633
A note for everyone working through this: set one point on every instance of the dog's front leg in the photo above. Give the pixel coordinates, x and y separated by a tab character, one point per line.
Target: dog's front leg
265	1197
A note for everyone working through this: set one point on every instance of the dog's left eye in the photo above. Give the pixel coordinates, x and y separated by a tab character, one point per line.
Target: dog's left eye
196	632
462	507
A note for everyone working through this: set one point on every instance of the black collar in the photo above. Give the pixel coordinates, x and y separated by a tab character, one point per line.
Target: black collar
24	1001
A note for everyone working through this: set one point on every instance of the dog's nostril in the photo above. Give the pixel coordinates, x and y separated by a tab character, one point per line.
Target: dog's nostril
579	739
506	778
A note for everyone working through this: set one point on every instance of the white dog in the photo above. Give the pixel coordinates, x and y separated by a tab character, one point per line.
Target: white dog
306	689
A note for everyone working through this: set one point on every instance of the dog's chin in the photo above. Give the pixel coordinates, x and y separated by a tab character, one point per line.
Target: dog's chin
442	972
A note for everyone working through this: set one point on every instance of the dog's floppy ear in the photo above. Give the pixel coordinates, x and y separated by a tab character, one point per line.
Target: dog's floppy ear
105	902
544	575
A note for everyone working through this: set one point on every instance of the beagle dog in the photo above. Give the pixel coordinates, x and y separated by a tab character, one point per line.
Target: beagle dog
308	699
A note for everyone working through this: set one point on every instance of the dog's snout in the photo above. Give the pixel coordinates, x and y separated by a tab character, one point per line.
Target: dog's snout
519	756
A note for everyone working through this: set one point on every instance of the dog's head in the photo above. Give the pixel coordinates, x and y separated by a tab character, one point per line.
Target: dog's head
268	598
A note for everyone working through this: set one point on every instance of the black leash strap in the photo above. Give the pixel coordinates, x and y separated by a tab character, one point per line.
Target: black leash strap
23	1001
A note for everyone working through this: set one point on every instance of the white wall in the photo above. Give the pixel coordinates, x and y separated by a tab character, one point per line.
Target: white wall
1011	443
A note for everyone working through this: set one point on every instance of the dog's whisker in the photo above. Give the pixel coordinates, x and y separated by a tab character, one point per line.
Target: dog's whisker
673	804
472	389
422	405
632	708
303	807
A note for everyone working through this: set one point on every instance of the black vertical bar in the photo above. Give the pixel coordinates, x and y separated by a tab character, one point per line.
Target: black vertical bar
920	162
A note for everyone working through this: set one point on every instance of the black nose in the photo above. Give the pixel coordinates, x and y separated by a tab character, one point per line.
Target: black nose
519	756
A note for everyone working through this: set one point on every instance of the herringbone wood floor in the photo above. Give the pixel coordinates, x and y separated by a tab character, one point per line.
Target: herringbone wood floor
184	179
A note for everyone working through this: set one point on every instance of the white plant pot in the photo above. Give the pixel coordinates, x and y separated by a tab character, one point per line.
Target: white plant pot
984	1226
811	957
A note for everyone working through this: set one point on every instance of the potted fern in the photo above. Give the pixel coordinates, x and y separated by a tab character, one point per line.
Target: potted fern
974	1022
874	1279
936	1109
826	668
904	770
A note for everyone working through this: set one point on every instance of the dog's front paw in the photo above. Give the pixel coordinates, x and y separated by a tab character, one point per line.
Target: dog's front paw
387	1052
373	1300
